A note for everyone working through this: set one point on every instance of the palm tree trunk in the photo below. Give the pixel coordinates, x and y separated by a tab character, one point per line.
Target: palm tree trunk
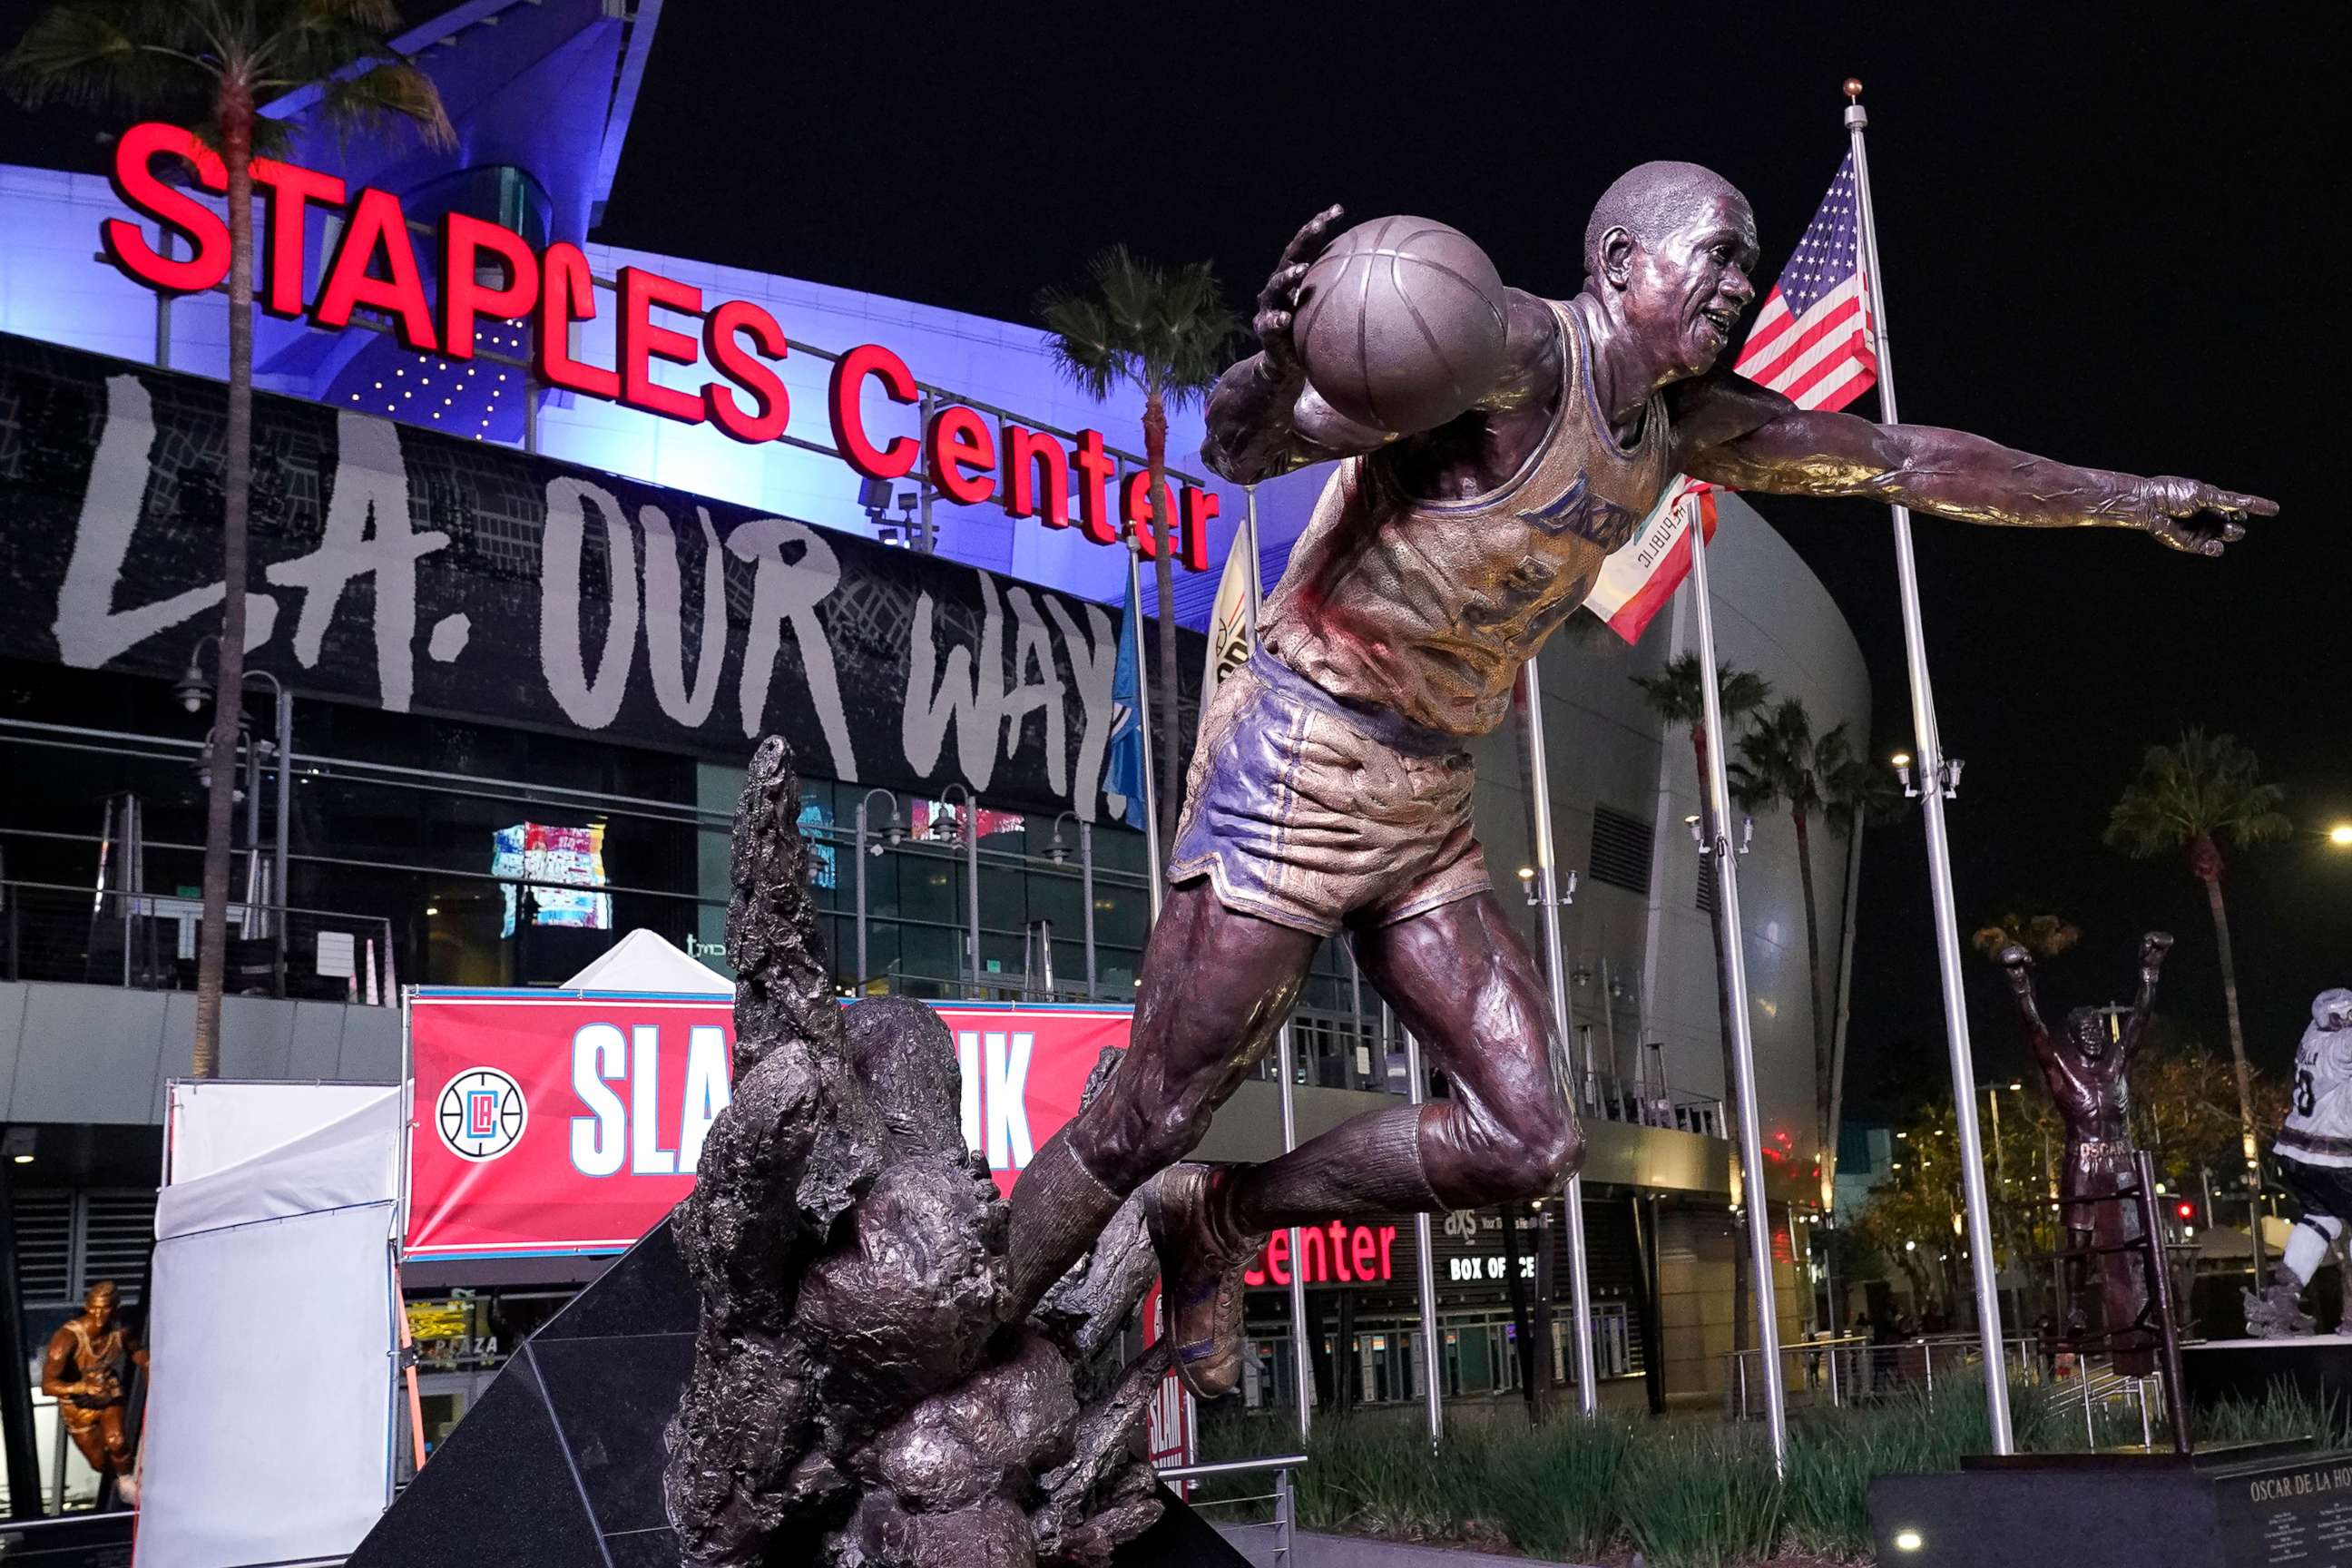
237	489
1731	1060
2237	1040
1164	585
1814	979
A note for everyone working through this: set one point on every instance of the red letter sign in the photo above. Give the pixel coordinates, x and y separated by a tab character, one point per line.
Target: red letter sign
464	295
642	342
141	192
849	429
1095	467
565	296
291	189
959	439
377	224
728	356
1030	460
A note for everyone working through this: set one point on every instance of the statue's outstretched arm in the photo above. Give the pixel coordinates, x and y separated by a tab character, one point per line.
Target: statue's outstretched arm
2018	964
2152	948
1735	433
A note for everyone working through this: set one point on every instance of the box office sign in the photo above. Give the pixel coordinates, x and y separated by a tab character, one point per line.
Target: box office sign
415	572
573	1121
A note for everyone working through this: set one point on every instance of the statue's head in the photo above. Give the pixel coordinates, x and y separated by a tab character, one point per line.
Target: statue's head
101	1303
2331	1015
2086	1030
1672	245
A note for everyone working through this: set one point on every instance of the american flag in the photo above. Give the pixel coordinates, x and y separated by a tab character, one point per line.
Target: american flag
1810	342
1811	345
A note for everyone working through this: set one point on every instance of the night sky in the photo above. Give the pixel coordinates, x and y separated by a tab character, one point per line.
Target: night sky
2103	240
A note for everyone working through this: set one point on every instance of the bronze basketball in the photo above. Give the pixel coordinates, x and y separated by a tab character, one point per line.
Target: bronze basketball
1401	323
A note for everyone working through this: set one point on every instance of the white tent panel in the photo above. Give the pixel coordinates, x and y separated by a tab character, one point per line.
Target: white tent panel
644	961
215	1122
267	1436
344	1150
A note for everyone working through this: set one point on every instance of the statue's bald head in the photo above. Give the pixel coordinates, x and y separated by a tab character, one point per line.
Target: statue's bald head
1650	200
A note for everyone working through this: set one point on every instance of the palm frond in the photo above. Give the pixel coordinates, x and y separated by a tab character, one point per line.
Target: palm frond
101	56
393	90
2204	786
1135	323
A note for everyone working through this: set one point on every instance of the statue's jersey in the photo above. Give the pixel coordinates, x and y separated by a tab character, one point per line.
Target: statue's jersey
1427	608
2318	1129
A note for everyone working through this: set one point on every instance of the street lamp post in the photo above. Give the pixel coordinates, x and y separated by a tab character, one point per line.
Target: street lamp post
192	689
971	871
894	833
1059	854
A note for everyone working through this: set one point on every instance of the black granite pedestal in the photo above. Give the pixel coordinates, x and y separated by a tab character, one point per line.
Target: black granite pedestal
558	1463
2316	1368
2245	1507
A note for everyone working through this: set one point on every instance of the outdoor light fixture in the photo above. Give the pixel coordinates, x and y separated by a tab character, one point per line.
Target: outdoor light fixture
1536	901
2340	834
1908	1540
1902	761
18	1144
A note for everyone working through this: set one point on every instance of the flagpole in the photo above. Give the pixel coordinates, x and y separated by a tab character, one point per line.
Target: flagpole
1143	726
1545	885
1936	782
1717	787
1256	561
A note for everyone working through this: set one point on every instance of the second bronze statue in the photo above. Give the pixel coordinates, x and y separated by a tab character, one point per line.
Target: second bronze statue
1331	792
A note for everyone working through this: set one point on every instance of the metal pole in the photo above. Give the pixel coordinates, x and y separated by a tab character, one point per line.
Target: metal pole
857	852
924	542
1143	724
1425	1275
1929	745
532	394
163	247
1743	1040
1086	891
1844	1012
1579	1279
971	881
1301	1352
283	867
1045	941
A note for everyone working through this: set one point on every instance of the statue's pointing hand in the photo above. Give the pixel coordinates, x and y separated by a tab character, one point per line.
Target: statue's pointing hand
2175	510
1278	301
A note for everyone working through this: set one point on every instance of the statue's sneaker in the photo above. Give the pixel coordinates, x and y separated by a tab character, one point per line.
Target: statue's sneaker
1201	1260
2275	1312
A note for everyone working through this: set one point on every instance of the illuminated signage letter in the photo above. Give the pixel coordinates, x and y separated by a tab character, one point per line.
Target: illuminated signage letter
720	330
1095	469
141	192
377	225
707	1091
841	398
290	189
566	295
1037	470
958	439
642	342
465	243
1277	1257
1136	510
646	1156
1199	505
598	1052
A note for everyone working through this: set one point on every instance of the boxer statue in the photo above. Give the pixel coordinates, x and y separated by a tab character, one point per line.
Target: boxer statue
2315	1165
1330	790
2087	1068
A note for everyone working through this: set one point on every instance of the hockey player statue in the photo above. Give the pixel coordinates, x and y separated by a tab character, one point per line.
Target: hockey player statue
2315	1165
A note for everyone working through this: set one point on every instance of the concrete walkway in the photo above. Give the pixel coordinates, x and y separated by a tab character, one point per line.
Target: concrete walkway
1309	1550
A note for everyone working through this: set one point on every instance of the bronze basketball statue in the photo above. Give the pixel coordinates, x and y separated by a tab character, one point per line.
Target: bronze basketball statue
2087	1068
1330	791
87	1370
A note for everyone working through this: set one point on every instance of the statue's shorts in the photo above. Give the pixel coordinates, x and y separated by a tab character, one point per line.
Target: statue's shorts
1320	816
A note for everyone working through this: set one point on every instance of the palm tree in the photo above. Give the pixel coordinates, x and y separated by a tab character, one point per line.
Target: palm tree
2189	796
220	61
1856	791
2043	935
1165	334
1677	695
1780	762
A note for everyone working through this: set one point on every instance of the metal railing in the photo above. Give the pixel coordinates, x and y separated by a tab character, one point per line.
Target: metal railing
1285	1500
147	941
1852	1370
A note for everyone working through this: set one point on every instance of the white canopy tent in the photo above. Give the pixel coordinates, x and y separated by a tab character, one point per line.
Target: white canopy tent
643	963
273	1341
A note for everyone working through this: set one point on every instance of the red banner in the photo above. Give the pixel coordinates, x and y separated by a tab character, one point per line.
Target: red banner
572	1121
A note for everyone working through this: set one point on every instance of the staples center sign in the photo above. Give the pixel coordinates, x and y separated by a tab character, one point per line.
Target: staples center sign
573	1121
488	271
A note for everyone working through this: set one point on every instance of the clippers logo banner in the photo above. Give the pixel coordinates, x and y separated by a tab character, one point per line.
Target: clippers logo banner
573	1121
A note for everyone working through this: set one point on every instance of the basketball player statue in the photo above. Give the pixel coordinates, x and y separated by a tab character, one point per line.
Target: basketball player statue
87	1370
1331	788
2315	1165
2088	1068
